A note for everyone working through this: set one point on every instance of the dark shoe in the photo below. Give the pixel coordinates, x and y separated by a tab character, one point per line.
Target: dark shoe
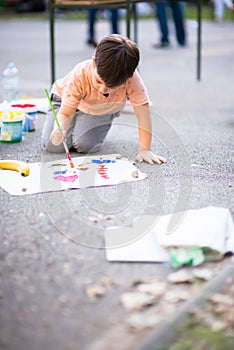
161	45
92	42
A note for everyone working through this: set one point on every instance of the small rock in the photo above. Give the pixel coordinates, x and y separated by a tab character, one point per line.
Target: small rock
95	292
118	156
175	296
218	325
135	301
154	288
107	282
181	276
222	298
203	274
135	173
220	308
139	321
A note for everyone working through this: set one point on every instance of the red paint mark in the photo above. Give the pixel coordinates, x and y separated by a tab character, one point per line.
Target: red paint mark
70	178
25	105
102	171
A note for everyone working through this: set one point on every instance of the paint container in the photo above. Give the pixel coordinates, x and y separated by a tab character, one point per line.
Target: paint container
29	122
11	130
29	111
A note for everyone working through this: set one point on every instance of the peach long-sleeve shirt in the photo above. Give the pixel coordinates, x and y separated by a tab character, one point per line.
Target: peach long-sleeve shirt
78	90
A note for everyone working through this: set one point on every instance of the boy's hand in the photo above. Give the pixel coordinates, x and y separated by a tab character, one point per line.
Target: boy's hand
149	157
57	137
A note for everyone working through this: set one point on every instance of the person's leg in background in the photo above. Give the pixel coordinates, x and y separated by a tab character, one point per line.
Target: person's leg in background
219	10
114	21
161	15
92	17
91	25
178	18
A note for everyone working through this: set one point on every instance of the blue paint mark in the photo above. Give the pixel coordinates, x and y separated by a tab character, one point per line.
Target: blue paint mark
58	172
103	161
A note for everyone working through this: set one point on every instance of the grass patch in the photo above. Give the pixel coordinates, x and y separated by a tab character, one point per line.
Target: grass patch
76	15
195	335
207	13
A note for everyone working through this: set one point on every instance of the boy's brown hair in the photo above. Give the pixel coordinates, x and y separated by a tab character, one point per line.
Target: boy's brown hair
116	59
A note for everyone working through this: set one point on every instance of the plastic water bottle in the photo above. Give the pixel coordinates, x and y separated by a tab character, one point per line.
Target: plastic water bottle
10	82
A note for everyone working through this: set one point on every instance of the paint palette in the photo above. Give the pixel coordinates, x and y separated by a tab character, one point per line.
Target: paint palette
89	171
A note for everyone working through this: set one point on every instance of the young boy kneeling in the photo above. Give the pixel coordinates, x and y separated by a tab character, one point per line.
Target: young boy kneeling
89	97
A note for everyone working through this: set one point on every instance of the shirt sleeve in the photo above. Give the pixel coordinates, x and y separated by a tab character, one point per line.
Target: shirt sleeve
72	92
136	90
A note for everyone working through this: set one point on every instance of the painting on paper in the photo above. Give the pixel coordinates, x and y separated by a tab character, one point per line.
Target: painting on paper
89	171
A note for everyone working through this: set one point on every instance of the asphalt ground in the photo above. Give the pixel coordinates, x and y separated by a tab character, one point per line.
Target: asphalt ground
51	244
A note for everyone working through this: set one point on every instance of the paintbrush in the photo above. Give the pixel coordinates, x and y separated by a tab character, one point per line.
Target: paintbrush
60	129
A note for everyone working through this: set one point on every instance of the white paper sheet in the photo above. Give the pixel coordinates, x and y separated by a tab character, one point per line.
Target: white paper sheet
207	227
89	171
134	243
146	241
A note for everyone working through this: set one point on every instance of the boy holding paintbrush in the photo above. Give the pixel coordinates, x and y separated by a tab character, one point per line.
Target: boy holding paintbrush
89	97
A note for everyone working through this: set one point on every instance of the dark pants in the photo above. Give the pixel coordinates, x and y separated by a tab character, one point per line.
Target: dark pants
178	18
92	20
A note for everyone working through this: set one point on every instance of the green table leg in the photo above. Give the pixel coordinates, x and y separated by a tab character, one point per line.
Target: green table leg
52	55
199	16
